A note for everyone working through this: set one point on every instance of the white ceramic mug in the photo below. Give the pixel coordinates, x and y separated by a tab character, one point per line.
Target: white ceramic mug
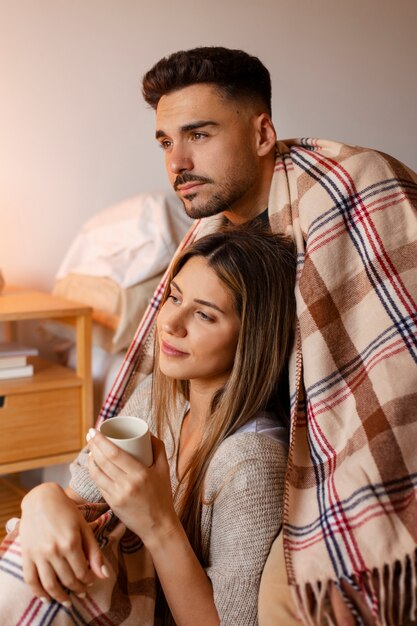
130	434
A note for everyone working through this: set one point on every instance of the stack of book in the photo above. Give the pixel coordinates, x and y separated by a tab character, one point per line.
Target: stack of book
14	360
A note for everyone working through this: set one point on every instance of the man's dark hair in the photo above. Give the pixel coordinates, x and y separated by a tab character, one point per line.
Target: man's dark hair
235	73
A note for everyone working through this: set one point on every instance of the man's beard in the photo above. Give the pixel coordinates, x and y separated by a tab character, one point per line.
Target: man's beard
216	204
224	200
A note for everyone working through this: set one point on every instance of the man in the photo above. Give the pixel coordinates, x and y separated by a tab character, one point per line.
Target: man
349	530
219	156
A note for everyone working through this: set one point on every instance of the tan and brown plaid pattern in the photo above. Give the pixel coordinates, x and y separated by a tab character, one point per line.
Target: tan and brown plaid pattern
350	498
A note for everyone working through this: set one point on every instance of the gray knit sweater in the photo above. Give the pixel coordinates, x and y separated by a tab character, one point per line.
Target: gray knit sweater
243	491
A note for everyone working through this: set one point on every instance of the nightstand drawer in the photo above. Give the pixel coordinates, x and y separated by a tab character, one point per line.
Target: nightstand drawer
39	424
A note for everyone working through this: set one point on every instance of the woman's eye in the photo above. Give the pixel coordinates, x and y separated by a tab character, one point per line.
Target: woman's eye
203	316
174	299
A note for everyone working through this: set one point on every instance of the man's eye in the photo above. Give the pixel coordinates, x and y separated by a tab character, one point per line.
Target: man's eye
197	136
166	144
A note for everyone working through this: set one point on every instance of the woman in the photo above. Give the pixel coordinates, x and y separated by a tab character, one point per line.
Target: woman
209	507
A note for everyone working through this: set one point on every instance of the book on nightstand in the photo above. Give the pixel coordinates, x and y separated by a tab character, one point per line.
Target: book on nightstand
16	372
13	360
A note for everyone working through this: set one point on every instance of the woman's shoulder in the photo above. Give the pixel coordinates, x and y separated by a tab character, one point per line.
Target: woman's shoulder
249	446
244	457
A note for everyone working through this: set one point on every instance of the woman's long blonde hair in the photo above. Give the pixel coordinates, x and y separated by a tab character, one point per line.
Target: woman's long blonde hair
258	268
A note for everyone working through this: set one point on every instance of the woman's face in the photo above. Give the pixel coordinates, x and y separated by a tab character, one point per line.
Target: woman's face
198	327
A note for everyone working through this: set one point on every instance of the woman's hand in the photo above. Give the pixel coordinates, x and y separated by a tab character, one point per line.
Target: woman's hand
59	548
140	496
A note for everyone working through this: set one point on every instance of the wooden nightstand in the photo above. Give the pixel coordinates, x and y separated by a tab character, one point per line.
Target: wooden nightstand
44	418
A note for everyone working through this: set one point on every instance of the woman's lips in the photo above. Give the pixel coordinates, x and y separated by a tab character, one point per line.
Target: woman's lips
169	350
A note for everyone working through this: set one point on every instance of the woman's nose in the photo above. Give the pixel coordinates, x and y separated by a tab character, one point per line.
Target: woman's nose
174	324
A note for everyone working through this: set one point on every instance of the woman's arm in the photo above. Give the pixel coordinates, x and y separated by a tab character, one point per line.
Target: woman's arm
58	546
142	498
186	586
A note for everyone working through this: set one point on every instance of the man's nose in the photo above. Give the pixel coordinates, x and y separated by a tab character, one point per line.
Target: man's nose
179	160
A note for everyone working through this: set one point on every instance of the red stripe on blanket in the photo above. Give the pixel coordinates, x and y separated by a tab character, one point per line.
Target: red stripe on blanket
380	253
319	241
341	520
370	512
35	606
100	619
353	383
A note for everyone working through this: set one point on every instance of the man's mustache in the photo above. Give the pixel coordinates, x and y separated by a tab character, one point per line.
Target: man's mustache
182	179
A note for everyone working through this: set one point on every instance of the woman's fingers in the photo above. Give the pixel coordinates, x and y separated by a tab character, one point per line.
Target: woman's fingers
56	578
66	577
53	579
81	572
73	571
159	452
31	578
51	584
111	460
93	555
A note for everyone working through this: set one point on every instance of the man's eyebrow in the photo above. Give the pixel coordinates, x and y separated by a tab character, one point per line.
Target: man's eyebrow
187	127
198	124
204	302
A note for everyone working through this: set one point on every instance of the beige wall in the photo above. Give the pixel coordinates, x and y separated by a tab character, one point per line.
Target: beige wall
76	137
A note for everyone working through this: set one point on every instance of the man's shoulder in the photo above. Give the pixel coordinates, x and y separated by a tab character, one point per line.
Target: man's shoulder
334	153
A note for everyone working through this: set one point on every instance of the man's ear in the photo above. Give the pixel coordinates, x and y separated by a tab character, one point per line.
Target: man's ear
266	136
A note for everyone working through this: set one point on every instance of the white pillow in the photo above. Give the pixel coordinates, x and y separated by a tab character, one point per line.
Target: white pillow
129	242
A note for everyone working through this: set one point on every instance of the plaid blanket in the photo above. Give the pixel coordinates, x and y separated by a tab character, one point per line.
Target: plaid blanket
350	506
350	494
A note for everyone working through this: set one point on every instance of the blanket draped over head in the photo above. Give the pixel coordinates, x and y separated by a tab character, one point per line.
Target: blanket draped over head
350	505
350	510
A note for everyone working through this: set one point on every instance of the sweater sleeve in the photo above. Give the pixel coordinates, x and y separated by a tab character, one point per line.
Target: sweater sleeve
81	481
244	483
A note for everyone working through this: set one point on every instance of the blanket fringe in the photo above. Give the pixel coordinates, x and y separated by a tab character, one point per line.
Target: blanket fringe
382	596
389	592
413	586
373	593
402	582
